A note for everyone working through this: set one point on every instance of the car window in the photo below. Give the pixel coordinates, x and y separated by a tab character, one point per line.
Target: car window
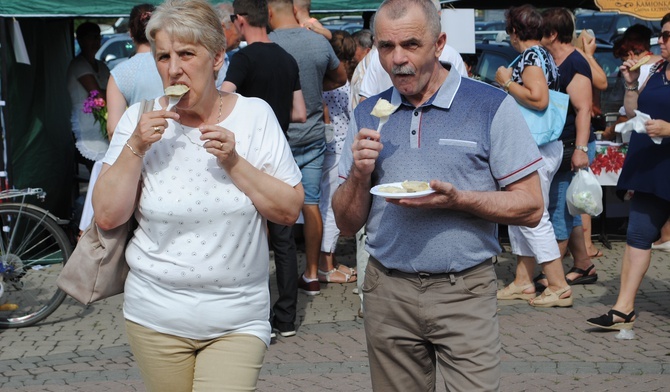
489	63
118	49
600	24
608	62
623	22
612	98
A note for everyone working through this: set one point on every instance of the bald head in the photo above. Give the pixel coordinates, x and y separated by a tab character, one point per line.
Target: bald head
396	9
281	5
303	4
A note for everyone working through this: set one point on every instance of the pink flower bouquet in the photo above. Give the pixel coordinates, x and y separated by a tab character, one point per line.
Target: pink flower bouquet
96	105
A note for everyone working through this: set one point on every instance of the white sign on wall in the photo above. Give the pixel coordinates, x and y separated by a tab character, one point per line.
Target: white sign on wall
459	24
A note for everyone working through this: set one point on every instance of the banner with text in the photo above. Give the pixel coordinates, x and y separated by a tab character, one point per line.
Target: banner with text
644	9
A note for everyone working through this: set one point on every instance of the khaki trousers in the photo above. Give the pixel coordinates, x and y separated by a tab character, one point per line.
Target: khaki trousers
415	324
171	363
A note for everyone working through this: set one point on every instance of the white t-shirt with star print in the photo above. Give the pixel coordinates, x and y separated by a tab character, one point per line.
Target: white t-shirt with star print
199	258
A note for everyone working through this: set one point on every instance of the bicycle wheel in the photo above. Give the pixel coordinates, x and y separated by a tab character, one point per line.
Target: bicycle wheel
33	250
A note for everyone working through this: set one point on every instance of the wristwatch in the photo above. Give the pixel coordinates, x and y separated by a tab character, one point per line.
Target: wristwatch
582	148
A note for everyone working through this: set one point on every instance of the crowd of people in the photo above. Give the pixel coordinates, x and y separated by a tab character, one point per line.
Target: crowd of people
282	131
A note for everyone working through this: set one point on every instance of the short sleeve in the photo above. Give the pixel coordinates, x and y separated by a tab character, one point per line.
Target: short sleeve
81	68
270	151
237	69
514	154
347	157
122	133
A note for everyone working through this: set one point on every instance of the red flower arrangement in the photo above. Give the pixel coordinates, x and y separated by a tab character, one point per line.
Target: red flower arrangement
609	159
96	105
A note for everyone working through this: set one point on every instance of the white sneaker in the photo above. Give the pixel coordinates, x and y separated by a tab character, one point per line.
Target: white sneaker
287	334
284	334
665	246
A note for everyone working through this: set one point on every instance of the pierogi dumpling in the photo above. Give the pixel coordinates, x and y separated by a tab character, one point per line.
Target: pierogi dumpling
383	108
176	90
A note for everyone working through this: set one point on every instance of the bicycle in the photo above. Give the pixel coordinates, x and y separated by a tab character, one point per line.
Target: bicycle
33	249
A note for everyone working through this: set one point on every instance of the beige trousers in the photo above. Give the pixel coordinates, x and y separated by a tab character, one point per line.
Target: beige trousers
171	363
416	324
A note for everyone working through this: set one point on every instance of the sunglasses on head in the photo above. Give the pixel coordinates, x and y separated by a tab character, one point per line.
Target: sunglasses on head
233	17
663	36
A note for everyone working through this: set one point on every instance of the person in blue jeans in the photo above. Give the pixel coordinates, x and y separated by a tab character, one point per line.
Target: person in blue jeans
320	70
264	70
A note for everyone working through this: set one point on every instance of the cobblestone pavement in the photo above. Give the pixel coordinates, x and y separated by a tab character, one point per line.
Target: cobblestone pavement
85	349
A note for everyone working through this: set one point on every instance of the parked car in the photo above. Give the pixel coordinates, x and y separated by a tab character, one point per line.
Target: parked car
115	48
348	23
609	26
490	56
491	25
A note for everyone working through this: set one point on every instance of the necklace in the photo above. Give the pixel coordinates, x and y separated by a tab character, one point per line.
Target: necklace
218	119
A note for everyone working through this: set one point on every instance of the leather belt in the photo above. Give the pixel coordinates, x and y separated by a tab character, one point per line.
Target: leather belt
430	275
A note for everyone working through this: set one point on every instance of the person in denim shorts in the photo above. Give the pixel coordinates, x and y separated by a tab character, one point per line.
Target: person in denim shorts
320	70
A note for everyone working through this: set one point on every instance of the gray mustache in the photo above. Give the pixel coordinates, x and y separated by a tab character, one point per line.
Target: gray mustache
402	70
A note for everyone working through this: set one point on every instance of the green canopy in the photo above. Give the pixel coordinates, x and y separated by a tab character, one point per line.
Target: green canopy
104	8
91	8
39	141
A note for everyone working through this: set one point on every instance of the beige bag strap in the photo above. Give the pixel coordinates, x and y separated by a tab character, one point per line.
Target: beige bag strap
146	105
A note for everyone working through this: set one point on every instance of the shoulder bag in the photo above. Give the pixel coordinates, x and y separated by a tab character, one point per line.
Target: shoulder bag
97	268
546	125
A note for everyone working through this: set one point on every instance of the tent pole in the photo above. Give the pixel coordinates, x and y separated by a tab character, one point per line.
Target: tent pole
4	162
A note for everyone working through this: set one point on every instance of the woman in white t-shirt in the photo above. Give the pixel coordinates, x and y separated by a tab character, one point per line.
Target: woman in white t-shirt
201	178
86	74
130	82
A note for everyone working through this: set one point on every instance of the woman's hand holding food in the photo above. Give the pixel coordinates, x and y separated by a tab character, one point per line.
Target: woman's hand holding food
150	129
629	73
589	44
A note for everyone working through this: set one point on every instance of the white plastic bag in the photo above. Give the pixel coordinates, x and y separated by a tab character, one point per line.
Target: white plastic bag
585	195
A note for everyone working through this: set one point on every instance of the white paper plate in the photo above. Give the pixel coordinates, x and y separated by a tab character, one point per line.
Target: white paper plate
407	195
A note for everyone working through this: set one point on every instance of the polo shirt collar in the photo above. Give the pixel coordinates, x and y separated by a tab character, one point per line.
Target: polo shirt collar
443	98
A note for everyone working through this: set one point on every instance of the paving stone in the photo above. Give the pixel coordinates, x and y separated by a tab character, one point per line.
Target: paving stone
84	349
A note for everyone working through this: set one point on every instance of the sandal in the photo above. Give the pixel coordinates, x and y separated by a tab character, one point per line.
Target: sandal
549	299
332	276
606	321
585	278
599	253
539	287
346	269
515	292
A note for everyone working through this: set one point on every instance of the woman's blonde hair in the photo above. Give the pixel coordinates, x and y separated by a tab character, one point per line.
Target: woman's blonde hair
189	21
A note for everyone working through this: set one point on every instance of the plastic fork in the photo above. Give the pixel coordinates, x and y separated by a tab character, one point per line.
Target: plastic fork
382	121
172	100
